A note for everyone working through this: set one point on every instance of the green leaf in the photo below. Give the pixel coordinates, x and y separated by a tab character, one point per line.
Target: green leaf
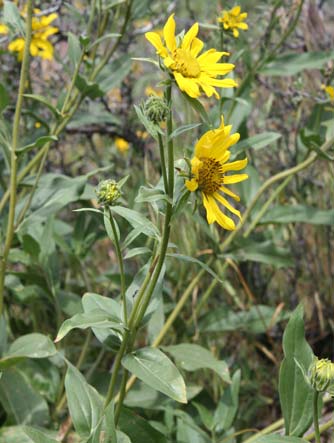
295	394
228	405
27	434
38	435
203	265
74	50
138	429
155	369
299	214
87	88
275	438
103	38
150	195
21	402
256	320
112	75
39	143
96	319
12	17
256	142
84	403
137	251
291	64
112	309
180	130
198	108
137	220
4	97
192	357
33	345
45	102
266	252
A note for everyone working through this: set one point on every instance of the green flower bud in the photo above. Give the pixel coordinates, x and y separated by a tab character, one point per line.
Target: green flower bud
108	192
156	109
321	375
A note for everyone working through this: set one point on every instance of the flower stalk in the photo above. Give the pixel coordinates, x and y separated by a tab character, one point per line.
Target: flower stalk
14	146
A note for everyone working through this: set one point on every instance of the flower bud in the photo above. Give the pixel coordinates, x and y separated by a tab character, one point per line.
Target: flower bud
108	192
156	109
321	375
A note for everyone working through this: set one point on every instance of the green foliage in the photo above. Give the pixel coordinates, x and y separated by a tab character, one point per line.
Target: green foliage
145	320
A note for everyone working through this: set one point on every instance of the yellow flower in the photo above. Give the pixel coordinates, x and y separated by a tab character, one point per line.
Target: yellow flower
142	134
151	91
330	92
41	31
233	19
121	144
209	167
3	29
192	72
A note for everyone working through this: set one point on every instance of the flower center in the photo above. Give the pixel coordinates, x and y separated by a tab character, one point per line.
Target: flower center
210	175
186	64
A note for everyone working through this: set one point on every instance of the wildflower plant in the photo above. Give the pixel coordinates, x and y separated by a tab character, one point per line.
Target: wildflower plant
114	283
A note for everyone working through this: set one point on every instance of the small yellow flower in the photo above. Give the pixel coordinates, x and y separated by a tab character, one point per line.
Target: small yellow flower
330	92
41	31
121	144
3	29
234	20
208	168
142	134
152	91
38	125
193	73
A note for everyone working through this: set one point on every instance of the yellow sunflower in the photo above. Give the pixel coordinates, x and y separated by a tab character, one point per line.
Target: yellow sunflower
192	72
41	31
234	20
208	169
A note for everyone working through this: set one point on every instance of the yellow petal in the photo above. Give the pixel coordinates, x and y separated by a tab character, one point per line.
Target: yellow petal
196	47
156	41
222	219
229	193
235	166
189	37
227	205
191	185
210	216
230	179
169	33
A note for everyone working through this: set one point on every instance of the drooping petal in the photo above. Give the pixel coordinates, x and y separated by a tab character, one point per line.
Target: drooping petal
227	205
223	220
230	193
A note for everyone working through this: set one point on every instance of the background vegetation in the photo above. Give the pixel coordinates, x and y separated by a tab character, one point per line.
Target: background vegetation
231	294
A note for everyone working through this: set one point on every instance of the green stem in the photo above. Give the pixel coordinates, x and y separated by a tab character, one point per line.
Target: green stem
163	162
322	429
144	297
13	159
316	417
122	393
121	265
